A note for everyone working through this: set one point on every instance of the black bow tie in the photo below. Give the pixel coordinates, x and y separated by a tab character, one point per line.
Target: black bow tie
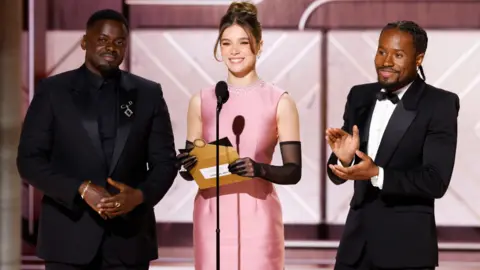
386	95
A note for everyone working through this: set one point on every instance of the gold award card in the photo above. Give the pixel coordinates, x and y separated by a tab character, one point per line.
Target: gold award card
204	171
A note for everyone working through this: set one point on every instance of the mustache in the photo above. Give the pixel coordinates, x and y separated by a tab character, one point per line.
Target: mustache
388	69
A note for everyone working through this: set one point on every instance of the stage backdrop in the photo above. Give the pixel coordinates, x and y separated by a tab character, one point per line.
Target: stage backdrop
182	61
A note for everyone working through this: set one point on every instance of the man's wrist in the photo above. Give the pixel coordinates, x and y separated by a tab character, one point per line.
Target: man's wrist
376	171
139	196
83	188
346	163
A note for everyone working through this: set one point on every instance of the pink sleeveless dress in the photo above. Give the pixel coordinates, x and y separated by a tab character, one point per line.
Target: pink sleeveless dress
251	225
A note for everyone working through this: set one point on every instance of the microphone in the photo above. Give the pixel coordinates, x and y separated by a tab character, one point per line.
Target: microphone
222	94
221	91
237	128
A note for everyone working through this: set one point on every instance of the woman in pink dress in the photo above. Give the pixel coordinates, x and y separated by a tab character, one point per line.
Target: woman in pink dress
251	225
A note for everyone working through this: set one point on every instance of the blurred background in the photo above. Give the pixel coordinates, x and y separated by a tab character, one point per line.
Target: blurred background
316	50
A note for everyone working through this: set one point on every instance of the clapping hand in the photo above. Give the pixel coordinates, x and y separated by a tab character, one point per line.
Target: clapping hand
122	203
364	170
343	144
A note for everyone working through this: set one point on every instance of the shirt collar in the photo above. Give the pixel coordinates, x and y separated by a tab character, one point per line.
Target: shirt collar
96	80
400	92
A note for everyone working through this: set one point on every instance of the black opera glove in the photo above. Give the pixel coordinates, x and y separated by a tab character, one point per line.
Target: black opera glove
289	173
245	167
187	161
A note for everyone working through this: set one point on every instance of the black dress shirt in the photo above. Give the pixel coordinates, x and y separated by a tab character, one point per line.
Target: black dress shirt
103	92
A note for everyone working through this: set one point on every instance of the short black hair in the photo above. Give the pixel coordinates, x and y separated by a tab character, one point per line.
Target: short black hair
107	14
419	36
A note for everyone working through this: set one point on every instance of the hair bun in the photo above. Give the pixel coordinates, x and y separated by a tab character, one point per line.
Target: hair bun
242	7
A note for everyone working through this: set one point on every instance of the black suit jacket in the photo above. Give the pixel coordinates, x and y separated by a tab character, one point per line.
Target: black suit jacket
417	153
60	148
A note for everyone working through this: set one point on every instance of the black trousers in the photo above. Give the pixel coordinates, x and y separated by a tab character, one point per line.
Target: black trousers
365	263
105	259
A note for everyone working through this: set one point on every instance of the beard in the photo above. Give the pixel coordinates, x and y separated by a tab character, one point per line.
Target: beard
395	84
107	70
391	86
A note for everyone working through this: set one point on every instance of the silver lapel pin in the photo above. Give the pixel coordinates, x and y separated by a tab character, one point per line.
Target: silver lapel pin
128	112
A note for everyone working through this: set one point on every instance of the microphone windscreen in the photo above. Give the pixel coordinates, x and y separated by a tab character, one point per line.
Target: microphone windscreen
238	125
221	91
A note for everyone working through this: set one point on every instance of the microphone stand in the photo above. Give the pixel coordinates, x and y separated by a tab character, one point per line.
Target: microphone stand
219	108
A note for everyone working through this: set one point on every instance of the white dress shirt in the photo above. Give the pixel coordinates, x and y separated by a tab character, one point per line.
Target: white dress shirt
381	115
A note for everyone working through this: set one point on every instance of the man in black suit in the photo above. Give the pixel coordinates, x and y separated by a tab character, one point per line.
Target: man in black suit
98	142
397	144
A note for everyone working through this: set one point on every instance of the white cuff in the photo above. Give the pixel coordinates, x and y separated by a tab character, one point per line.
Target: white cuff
377	181
340	163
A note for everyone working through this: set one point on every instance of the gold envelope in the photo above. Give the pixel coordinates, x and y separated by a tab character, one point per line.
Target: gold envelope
204	171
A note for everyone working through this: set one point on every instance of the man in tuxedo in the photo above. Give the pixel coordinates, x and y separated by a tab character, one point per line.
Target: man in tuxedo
397	144
98	142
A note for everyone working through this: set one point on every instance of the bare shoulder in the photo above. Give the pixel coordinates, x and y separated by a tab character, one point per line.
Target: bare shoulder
195	103
196	99
287	100
286	105
288	119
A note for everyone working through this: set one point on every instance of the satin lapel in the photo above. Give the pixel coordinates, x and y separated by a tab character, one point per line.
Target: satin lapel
364	125
402	117
126	113
363	117
86	111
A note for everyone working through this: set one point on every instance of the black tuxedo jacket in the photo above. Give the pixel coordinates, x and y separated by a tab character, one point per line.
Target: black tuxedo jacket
60	148
417	153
